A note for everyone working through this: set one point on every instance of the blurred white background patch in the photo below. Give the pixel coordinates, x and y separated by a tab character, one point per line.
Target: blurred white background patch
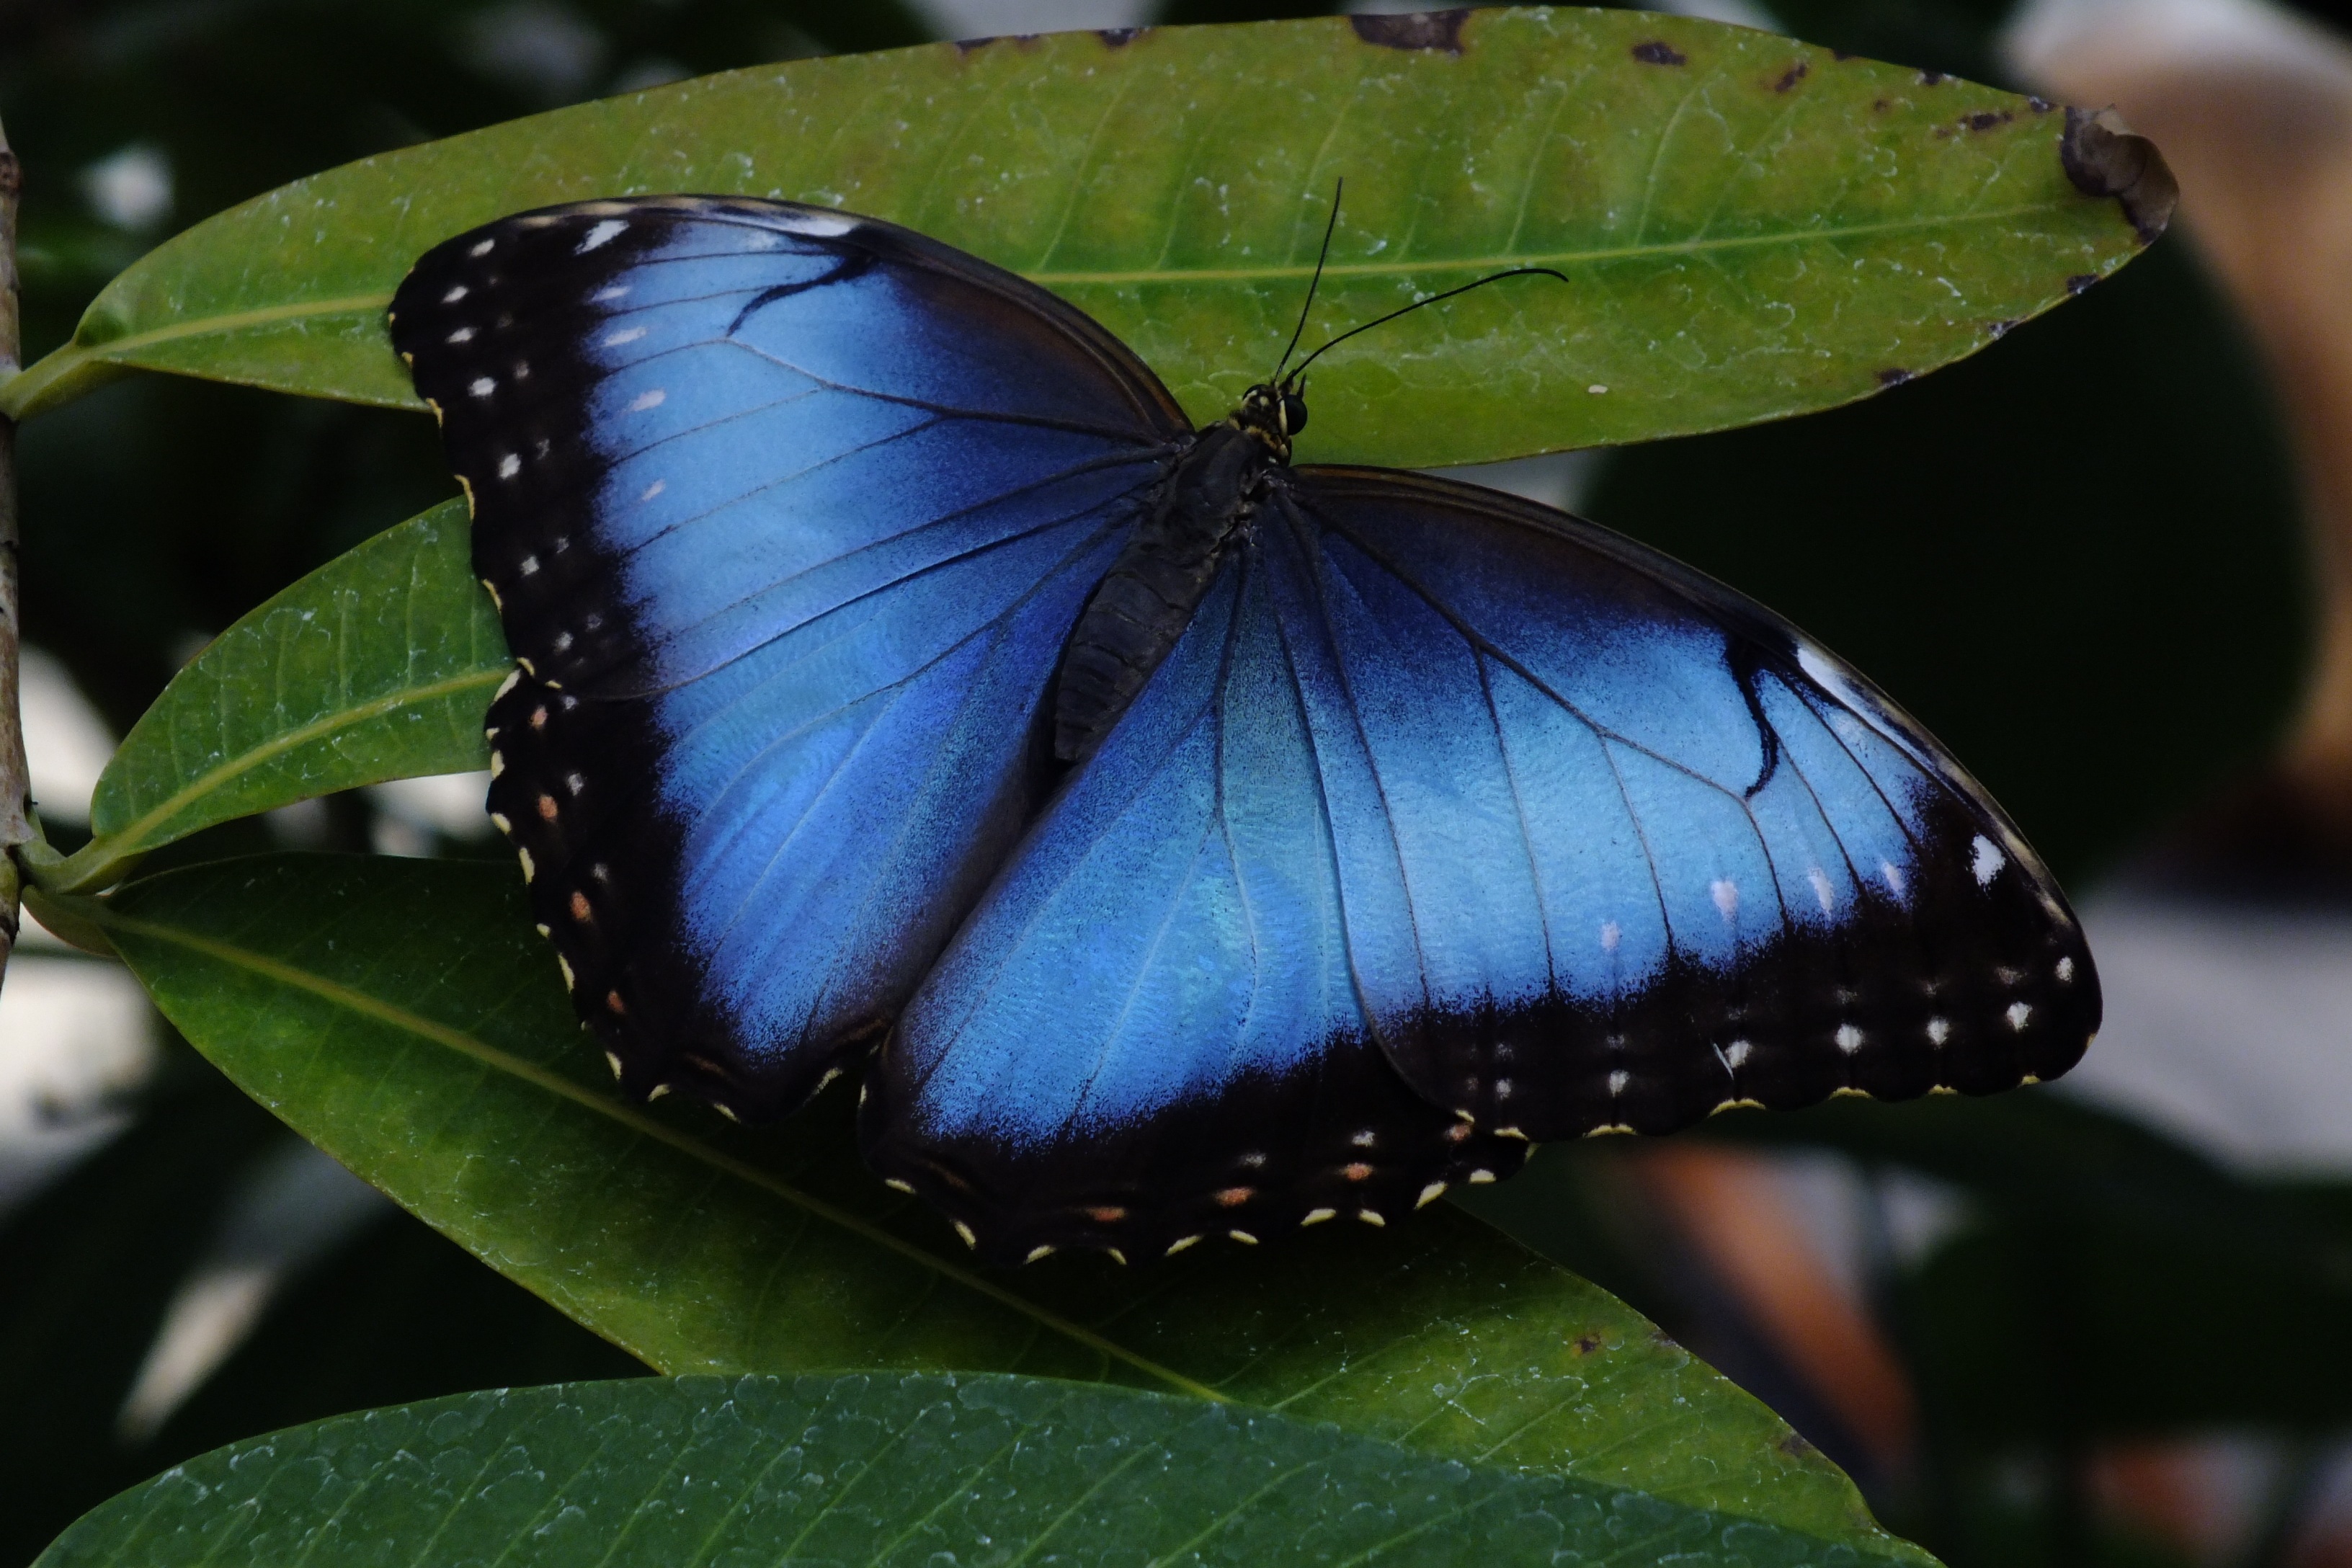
77	1035
130	189
413	815
66	742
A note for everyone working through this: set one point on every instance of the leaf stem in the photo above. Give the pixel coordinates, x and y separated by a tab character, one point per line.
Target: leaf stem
15	780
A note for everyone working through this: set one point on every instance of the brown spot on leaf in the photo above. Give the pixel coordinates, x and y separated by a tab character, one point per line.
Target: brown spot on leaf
1796	1447
1427	30
1881	105
1987	120
1894	376
1119	38
1658	52
2081	282
2105	159
1793	76
1585	1344
1933	78
1840	56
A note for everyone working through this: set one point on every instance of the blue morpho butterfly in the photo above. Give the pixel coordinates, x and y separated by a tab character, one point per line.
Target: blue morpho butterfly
1178	842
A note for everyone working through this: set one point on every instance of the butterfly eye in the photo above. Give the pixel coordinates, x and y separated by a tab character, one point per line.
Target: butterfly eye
1294	413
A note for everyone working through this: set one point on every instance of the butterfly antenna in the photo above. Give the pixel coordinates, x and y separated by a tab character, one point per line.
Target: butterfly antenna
1321	255
1417	304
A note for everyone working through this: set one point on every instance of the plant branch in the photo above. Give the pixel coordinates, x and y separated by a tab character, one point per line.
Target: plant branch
16	784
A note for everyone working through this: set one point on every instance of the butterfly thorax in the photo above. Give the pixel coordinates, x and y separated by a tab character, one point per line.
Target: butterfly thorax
1144	602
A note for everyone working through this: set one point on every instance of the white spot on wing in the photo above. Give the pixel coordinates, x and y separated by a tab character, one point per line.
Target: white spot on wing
603	233
1618	1080
2066	970
605	295
2018	1013
1939	1031
454	294
1988	861
482	248
1821	882
1894	874
1735	1054
509	466
818	224
462	335
483	386
1726	896
1610	936
654	489
625	335
1849	1038
645	400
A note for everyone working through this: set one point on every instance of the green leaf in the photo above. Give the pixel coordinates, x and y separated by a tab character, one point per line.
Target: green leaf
377	665
1749	227
401	1015
870	1468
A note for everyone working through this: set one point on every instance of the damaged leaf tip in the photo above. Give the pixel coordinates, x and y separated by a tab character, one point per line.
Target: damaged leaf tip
2104	158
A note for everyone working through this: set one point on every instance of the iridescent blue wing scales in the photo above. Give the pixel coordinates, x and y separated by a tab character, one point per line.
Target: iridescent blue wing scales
1149	1032
1446	793
788	514
1621	847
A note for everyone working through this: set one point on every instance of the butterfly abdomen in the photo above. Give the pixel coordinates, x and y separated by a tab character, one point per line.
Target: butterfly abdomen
1147	598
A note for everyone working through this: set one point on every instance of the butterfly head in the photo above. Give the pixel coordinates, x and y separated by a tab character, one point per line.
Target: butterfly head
1274	413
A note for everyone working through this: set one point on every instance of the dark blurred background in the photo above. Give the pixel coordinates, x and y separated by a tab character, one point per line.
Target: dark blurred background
2112	1325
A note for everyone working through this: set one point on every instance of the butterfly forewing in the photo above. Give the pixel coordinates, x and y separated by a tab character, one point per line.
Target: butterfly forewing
787	514
1619	847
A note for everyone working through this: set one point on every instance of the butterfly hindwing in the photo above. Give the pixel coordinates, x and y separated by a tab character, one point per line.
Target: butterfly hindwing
1446	792
1147	1033
788	514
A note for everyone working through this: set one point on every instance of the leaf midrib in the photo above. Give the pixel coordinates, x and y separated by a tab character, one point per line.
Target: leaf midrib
54	365
645	1126
91	865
